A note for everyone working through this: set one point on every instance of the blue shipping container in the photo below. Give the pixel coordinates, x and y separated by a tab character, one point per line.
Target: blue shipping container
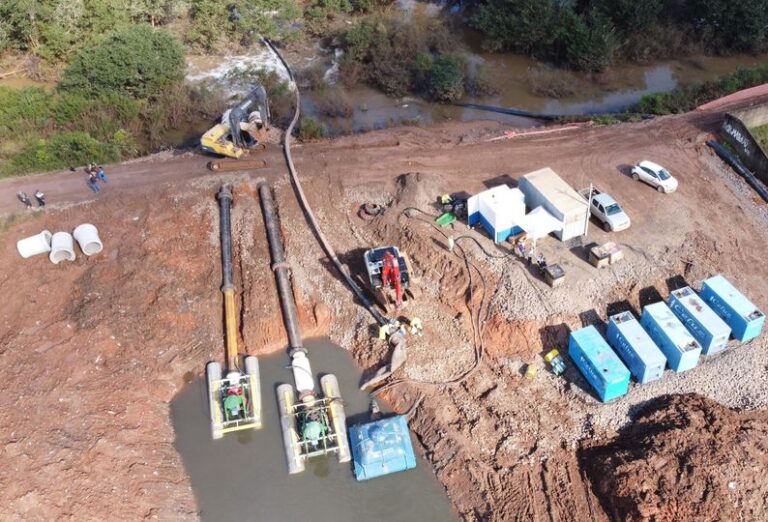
704	324
600	366
745	320
635	347
669	334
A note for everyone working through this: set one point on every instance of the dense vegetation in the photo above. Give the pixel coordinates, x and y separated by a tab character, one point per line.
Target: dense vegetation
400	56
589	34
55	30
684	99
116	98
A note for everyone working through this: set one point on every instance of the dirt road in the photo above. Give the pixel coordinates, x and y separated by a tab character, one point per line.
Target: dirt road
93	351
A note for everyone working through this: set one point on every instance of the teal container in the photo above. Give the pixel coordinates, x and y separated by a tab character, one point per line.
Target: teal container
738	312
635	347
669	334
598	363
703	323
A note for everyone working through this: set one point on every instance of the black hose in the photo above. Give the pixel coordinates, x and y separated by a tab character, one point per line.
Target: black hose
280	267
225	205
739	167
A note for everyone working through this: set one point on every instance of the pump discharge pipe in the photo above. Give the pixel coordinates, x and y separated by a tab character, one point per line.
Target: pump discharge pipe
235	400
312	425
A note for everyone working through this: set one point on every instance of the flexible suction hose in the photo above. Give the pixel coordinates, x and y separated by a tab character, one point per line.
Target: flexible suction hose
308	210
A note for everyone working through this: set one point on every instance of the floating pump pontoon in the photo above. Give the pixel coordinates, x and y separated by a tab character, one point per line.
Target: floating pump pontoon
235	399
313	424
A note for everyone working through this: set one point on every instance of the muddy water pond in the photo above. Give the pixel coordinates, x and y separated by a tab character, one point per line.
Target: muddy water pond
244	476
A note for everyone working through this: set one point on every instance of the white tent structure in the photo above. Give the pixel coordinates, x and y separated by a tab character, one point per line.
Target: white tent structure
539	223
499	209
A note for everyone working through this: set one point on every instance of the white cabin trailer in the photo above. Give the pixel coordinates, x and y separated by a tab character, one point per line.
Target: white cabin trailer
546	189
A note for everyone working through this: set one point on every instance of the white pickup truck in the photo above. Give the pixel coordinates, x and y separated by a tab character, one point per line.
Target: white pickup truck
606	210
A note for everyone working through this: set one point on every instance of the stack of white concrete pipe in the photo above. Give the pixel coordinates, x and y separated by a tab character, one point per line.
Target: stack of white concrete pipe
60	246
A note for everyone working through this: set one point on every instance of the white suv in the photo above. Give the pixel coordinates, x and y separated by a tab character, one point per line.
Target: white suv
655	175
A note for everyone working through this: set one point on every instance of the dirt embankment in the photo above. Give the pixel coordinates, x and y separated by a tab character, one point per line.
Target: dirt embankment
684	458
93	351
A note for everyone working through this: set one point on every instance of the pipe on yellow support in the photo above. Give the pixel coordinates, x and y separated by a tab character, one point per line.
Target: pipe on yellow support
231	327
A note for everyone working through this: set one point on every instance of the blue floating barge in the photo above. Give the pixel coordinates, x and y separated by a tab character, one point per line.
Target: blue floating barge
381	447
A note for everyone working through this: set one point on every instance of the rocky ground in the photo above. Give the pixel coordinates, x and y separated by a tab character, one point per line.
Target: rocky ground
93	351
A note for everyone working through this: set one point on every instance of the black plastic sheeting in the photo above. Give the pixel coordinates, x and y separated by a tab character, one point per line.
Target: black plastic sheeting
739	167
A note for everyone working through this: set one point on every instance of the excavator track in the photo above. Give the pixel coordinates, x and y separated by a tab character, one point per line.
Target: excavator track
234	165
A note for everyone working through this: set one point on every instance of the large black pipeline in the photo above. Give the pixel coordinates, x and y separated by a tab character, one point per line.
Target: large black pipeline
308	210
511	111
551	117
280	267
225	204
739	167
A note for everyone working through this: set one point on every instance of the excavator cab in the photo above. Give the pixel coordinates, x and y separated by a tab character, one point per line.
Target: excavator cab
242	129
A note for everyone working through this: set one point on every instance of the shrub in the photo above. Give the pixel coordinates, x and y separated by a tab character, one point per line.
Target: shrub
443	78
310	128
687	98
390	53
59	149
139	61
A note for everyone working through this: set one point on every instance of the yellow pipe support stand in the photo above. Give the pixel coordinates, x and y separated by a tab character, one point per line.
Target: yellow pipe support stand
231	325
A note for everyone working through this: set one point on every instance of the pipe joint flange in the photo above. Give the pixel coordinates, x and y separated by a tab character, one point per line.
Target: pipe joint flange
281	264
296	349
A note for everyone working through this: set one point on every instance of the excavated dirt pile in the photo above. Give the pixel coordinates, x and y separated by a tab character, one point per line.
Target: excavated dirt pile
685	458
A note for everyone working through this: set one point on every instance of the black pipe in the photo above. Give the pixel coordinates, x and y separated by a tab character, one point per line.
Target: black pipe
739	167
510	111
280	267
225	204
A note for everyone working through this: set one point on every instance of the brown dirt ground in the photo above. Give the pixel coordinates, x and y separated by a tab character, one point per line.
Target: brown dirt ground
93	351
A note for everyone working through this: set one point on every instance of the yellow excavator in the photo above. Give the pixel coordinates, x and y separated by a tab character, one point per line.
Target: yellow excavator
242	130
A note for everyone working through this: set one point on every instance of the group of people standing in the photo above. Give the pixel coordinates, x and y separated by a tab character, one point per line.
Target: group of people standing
95	174
24	198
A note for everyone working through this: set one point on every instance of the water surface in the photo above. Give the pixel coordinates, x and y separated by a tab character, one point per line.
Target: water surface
244	477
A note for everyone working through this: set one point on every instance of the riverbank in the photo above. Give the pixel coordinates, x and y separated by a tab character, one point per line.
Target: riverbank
100	347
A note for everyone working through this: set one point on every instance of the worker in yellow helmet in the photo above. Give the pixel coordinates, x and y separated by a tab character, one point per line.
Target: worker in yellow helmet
416	327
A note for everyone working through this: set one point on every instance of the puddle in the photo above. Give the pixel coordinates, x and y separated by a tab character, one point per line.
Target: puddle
244	476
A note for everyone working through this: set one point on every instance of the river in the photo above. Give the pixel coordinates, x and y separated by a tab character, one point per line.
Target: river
244	477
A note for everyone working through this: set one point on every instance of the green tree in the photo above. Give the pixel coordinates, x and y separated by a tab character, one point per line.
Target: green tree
138	61
443	77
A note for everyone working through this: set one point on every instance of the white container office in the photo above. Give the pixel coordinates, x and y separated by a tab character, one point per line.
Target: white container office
545	188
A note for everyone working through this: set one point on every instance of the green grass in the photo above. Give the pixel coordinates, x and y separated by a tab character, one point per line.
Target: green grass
761	136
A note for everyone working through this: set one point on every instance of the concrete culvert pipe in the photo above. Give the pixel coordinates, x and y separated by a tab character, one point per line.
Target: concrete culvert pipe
62	248
87	237
33	245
